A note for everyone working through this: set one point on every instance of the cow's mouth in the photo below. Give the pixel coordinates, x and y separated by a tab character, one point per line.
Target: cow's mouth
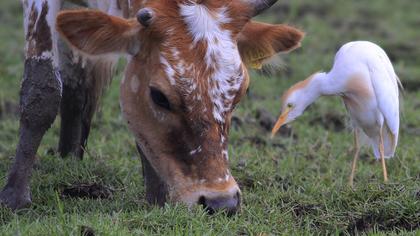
156	188
157	192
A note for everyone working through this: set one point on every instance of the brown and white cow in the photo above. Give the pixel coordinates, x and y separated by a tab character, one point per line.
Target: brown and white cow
186	72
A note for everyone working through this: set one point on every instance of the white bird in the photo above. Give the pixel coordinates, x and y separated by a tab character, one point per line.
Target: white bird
365	79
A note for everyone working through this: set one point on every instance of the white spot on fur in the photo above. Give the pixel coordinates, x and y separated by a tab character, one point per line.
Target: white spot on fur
135	84
227	176
225	154
53	8
222	139
170	72
195	151
222	54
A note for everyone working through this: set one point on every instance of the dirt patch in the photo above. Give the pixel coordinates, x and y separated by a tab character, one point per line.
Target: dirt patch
86	231
91	191
300	210
381	221
267	121
330	121
246	183
253	140
236	122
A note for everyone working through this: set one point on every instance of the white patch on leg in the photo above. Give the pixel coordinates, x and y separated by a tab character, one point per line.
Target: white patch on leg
50	18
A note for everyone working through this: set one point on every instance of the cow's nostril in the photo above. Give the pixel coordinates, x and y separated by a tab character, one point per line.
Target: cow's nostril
228	204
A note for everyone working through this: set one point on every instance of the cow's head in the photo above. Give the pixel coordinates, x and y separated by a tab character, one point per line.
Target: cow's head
186	72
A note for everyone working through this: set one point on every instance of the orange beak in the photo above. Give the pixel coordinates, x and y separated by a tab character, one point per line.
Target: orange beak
280	122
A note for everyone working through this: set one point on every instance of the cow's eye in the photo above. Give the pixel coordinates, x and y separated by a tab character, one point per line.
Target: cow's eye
159	98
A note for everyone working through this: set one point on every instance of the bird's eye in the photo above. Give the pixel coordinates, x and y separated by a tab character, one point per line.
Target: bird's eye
289	105
159	98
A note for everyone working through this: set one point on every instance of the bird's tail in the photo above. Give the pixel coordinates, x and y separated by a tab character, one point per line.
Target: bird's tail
390	144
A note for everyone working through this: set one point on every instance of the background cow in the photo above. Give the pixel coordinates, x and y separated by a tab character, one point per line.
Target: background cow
186	72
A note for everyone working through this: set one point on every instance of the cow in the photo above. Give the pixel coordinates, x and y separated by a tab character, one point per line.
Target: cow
187	69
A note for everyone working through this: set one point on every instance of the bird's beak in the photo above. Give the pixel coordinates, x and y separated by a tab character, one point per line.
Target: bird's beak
280	122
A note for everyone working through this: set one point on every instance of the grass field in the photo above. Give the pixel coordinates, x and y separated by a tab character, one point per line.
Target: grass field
294	184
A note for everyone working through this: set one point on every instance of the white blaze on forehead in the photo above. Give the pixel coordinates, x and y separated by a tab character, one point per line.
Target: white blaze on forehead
222	54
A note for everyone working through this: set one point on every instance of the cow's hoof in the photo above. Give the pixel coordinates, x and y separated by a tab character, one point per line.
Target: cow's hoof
15	199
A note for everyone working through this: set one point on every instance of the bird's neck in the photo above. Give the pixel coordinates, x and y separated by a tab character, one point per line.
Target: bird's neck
317	85
322	84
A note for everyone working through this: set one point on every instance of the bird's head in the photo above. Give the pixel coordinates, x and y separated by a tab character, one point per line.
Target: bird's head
295	100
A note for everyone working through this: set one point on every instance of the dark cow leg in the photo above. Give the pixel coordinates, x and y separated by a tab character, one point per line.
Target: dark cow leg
156	189
77	107
40	99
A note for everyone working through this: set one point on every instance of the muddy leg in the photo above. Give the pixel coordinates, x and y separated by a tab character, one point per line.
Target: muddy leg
356	156
77	107
156	189
40	99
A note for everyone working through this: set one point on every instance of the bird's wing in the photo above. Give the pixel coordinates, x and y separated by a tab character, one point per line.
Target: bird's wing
385	84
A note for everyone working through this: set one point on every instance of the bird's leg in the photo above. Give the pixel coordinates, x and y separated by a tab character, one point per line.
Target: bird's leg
356	156
381	152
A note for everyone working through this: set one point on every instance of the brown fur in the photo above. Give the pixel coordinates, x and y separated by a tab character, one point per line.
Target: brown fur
167	138
259	41
39	40
99	31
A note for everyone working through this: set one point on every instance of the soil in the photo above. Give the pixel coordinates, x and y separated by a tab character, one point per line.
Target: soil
330	121
86	231
90	190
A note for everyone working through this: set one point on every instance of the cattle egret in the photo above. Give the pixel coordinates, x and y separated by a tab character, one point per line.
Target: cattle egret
365	79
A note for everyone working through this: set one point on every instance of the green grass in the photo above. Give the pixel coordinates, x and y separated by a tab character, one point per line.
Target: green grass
290	186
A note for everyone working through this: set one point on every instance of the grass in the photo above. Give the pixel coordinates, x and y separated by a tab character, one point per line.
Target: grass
292	185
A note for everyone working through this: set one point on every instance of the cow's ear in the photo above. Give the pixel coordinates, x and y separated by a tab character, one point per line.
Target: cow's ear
258	42
96	33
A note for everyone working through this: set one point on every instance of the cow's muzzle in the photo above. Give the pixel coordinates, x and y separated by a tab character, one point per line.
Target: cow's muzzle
228	204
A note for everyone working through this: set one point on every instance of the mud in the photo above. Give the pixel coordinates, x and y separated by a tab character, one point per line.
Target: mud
236	122
267	121
246	182
86	231
330	121
380	221
89	190
253	140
